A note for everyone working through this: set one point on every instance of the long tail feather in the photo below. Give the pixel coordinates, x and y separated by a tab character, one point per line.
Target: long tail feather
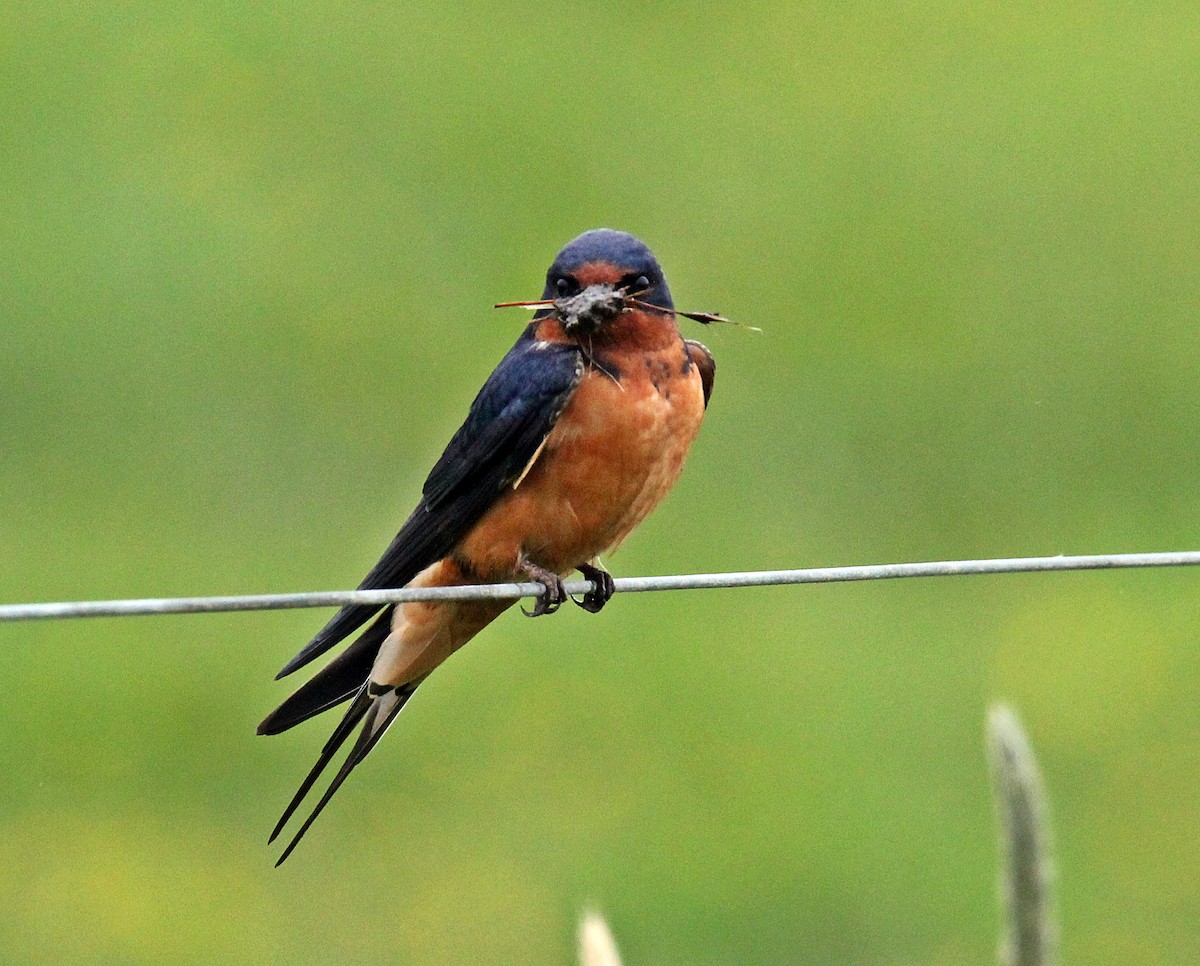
354	714
377	710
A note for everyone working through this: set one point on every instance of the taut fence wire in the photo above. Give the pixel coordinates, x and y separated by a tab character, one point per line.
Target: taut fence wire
627	585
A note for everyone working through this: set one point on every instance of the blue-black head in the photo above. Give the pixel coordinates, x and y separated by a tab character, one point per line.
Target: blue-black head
604	257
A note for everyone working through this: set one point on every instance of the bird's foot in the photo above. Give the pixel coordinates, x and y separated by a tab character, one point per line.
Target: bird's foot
555	593
603	588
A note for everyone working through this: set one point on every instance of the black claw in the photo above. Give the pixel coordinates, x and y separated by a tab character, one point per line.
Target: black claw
555	593
605	586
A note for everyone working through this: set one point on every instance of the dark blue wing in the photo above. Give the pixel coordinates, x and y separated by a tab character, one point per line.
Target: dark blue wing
509	419
511	416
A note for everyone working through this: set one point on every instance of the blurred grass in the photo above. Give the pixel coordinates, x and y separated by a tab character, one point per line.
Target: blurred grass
248	258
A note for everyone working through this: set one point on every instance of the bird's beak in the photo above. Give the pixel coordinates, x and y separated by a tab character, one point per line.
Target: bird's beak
591	308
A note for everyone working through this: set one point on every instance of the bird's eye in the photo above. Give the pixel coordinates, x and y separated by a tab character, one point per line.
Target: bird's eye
562	286
642	283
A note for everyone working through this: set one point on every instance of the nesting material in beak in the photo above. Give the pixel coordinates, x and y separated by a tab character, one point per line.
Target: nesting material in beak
591	308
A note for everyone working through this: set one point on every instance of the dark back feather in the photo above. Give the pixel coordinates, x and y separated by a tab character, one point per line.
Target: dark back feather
509	419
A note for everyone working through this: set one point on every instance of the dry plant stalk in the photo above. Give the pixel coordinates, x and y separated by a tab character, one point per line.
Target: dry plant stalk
1029	931
596	944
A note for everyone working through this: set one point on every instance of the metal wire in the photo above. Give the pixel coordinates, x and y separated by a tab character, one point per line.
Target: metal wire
627	585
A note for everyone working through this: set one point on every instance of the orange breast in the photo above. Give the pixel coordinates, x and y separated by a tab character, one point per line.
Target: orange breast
616	451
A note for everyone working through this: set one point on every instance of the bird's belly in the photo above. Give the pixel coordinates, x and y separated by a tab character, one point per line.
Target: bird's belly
613	455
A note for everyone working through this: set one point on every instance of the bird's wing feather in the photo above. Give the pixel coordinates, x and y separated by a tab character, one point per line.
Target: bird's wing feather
336	682
703	360
509	419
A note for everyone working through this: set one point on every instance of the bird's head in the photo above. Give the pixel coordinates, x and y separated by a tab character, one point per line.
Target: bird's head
595	277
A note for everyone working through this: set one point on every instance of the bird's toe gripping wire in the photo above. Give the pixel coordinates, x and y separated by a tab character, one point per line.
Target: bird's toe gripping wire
603	587
555	593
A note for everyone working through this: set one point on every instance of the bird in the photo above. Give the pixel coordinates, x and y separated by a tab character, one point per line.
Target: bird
579	432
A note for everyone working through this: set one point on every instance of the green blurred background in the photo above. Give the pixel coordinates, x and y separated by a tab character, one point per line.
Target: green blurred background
247	254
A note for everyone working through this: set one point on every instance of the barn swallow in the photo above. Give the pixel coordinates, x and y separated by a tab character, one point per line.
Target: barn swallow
576	436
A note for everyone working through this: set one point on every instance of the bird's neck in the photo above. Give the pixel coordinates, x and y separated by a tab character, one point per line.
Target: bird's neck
633	331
